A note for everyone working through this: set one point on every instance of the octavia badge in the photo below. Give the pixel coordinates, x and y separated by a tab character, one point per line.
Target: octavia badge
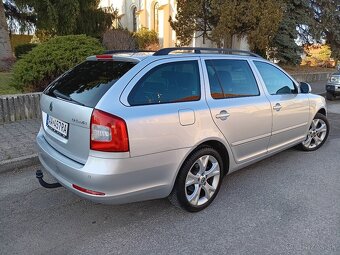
51	106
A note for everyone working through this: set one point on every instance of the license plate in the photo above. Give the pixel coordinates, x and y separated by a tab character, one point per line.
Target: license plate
58	126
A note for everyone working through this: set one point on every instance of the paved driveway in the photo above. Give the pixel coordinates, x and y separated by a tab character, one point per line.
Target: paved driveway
287	204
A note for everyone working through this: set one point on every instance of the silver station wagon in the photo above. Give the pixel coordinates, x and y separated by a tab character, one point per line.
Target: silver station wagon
125	127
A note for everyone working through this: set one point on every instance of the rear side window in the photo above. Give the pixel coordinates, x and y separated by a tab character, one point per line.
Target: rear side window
276	81
230	78
86	83
168	83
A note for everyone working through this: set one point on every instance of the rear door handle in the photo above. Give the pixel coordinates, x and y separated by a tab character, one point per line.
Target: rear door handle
277	107
223	115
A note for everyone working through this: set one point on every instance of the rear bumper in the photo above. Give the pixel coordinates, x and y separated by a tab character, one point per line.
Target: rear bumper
122	180
333	88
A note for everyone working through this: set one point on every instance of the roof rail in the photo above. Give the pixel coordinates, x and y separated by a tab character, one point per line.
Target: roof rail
198	50
126	51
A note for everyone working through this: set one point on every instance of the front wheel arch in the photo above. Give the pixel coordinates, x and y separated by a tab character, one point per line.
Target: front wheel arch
322	111
315	134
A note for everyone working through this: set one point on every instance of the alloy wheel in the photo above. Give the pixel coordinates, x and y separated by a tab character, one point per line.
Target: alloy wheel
316	134
202	180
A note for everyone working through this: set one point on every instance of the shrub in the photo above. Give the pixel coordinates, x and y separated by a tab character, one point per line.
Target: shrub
35	70
147	39
41	36
23	49
119	39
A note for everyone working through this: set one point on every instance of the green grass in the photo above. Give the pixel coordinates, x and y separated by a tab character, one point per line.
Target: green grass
5	87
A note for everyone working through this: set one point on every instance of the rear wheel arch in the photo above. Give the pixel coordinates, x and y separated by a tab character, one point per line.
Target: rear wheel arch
200	180
220	148
215	144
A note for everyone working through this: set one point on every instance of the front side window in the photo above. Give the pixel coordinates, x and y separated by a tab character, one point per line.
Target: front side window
276	81
230	78
168	83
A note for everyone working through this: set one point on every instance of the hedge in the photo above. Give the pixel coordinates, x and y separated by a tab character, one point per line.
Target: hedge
48	60
23	49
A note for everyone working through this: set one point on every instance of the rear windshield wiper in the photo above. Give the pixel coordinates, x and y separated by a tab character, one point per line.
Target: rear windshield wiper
61	95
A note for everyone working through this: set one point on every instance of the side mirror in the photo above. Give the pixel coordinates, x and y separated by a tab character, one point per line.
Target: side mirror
305	88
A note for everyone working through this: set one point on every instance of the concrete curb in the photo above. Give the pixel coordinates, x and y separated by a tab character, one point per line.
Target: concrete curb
17	163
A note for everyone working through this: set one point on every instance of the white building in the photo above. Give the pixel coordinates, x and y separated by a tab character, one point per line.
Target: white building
154	15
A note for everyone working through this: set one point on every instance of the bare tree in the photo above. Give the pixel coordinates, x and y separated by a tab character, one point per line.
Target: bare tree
6	53
119	39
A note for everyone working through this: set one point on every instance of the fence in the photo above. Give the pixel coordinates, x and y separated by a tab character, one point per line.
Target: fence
19	107
310	77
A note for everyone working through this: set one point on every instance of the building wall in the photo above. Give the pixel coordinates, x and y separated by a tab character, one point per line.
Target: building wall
146	16
240	43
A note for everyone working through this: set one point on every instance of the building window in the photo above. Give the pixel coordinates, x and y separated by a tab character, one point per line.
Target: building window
134	19
156	17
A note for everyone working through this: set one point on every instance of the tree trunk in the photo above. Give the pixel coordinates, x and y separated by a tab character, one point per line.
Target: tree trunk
6	54
227	41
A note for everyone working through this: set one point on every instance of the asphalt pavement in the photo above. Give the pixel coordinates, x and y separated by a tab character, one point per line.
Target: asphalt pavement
286	204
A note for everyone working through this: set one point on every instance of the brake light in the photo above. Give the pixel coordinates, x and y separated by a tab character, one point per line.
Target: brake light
108	133
103	56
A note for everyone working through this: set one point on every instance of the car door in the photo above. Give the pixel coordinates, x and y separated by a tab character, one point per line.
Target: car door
164	106
290	109
238	106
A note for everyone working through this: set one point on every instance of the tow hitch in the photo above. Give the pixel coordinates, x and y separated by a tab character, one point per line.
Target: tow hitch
39	174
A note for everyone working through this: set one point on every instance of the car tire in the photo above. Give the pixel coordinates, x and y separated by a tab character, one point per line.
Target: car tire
317	133
330	96
198	180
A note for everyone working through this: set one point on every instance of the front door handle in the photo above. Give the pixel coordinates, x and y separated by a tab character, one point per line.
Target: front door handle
223	115
277	107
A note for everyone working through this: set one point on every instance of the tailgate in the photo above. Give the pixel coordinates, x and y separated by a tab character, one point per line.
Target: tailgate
67	104
76	144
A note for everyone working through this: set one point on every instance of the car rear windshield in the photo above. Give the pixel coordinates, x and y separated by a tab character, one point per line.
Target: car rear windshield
86	83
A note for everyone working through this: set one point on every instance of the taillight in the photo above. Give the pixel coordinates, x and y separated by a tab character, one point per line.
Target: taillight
108	133
88	191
